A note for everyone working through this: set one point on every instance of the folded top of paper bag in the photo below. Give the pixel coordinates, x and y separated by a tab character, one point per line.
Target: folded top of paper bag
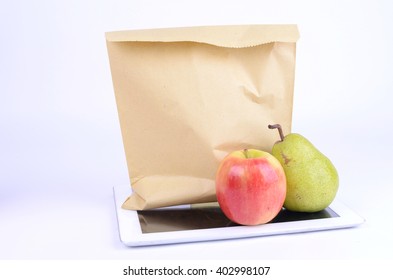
231	36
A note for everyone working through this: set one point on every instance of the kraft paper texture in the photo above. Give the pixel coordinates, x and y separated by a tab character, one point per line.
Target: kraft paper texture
186	97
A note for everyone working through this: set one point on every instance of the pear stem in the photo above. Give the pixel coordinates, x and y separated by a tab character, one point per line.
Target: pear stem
273	126
245	152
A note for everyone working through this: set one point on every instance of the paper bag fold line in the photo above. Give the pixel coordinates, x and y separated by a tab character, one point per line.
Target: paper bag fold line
229	36
156	191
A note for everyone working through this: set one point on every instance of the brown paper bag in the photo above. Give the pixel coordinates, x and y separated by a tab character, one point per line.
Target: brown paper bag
187	97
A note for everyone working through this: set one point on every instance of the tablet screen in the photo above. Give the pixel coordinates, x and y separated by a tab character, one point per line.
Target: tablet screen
154	221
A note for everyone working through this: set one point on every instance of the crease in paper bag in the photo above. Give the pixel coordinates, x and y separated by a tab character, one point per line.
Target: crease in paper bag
179	194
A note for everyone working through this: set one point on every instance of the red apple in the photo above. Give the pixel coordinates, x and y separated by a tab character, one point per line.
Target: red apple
250	187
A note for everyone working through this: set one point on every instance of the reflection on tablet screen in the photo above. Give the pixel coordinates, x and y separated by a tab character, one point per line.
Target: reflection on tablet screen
211	217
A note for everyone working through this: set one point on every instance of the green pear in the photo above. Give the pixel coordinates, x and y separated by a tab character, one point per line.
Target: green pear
312	179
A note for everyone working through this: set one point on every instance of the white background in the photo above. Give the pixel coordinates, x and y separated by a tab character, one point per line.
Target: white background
60	144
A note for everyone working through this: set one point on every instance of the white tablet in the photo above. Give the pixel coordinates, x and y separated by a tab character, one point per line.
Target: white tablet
185	223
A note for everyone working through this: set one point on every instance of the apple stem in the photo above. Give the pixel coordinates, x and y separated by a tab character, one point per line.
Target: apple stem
246	152
273	126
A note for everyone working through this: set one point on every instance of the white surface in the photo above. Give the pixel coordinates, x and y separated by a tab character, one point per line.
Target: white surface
131	232
60	144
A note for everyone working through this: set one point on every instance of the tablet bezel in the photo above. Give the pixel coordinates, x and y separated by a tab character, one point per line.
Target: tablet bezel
131	233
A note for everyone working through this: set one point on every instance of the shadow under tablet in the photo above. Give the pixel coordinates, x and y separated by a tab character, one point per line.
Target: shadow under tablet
154	221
